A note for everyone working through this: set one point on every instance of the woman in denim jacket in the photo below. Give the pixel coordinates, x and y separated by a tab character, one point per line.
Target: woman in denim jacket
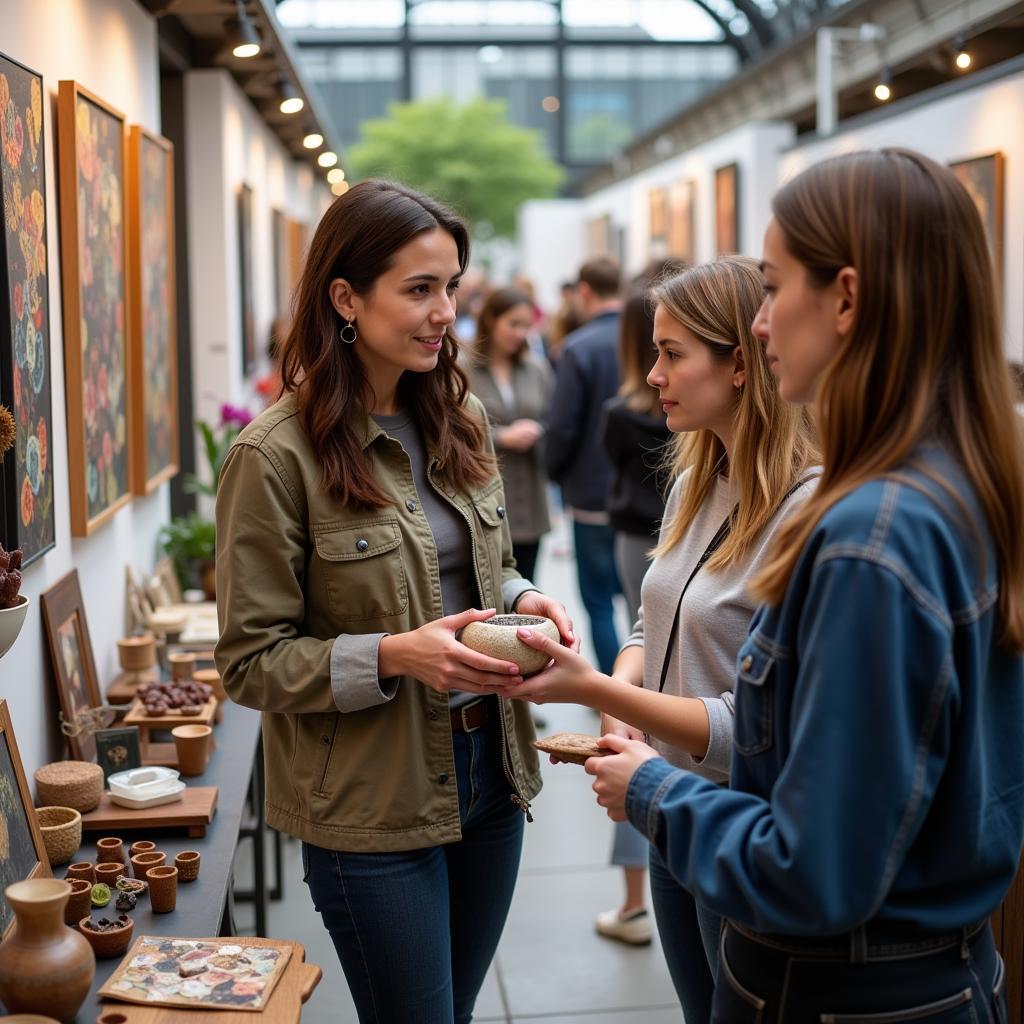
876	807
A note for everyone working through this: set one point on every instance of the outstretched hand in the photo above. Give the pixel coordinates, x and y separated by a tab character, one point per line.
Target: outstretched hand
615	771
533	602
566	678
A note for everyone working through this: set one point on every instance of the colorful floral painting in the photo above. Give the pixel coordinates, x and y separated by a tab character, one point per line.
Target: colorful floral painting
27	492
155	344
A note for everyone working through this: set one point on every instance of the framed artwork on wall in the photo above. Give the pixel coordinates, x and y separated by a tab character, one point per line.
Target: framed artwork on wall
73	665
727	209
243	213
599	240
97	357
983	178
297	237
657	222
680	229
24	853
26	479
279	231
154	379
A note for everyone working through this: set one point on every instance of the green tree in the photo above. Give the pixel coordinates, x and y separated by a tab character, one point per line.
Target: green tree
470	156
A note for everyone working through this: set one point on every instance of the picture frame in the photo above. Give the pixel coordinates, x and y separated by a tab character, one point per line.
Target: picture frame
74	669
94	261
984	179
26	856
117	750
298	239
279	233
727	209
153	395
137	604
599	236
164	570
27	518
681	204
657	221
243	217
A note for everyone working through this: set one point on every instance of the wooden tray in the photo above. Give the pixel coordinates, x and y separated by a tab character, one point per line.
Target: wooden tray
194	811
284	1006
165	753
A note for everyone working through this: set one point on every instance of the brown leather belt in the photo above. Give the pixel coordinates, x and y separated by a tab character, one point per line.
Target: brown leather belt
471	717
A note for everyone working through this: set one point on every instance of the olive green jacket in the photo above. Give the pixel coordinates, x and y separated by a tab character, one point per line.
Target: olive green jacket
306	589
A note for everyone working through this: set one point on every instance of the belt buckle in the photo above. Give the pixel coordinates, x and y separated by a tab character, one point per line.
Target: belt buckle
466	727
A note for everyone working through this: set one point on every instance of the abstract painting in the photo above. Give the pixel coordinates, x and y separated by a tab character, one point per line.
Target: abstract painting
983	178
727	209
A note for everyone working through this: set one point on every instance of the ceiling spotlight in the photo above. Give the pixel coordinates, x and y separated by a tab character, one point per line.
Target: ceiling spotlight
242	37
883	87
291	101
327	159
339	188
962	58
314	140
335	174
550	104
489	54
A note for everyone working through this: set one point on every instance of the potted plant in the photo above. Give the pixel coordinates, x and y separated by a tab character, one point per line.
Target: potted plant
13	604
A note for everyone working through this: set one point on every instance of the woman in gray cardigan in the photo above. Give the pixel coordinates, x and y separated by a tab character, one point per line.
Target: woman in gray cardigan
515	389
743	460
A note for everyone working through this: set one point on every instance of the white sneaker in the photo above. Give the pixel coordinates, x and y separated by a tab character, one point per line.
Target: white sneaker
634	928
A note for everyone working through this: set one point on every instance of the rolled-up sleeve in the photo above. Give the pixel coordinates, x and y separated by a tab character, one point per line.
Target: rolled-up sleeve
354	680
721	717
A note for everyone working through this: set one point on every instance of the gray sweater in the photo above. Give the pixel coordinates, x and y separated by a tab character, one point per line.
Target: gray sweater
713	619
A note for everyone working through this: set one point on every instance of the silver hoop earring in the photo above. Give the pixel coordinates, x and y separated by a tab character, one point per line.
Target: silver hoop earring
348	333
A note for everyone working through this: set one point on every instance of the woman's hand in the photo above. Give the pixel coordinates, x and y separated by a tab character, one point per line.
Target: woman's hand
520	436
533	602
615	771
435	657
613	727
565	681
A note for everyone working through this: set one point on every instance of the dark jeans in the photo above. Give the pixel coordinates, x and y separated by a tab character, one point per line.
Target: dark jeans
876	978
689	938
416	931
526	558
599	583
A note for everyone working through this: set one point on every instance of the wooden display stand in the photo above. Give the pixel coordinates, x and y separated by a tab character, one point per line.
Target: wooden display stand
153	753
193	811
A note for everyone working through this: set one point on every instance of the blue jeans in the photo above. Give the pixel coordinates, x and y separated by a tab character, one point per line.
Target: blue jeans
870	974
599	583
689	937
416	931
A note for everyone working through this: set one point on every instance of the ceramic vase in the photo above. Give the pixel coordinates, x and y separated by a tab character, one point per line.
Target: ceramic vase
45	966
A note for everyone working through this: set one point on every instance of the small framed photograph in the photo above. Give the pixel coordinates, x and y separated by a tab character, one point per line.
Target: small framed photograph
117	750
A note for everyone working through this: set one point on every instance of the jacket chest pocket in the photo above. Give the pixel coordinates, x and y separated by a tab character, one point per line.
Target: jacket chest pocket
362	568
753	729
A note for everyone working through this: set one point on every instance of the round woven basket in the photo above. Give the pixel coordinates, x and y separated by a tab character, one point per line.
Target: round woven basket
77	784
62	832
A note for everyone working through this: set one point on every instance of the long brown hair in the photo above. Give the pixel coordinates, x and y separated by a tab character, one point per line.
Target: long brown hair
924	359
497	304
773	441
357	239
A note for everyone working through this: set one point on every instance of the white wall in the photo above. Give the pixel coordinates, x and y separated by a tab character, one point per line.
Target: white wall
550	233
108	46
967	124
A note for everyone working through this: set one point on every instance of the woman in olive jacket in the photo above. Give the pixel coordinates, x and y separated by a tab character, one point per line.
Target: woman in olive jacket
360	524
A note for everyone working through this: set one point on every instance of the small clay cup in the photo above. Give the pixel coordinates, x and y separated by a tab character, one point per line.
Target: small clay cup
187	863
109	873
163	888
142	862
111	1017
109	850
83	869
182	666
211	677
137	653
497	638
141	846
192	743
79	903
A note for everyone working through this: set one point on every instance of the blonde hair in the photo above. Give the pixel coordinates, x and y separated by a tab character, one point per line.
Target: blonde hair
924	358
774	442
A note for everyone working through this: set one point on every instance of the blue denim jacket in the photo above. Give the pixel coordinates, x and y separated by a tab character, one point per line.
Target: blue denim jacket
878	770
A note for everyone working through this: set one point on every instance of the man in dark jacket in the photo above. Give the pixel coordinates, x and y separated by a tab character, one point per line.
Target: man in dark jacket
588	375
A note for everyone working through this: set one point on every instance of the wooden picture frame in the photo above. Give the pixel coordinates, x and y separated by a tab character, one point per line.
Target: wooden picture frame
137	604
247	315
599	236
657	221
297	241
71	656
97	356
153	395
681	206
727	209
26	855
27	518
984	178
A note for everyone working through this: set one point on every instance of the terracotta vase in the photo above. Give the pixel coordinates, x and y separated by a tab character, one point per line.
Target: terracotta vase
45	966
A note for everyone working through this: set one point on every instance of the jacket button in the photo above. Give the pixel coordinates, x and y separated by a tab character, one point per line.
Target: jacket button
362	544
411	505
501	511
443	778
432	714
747	663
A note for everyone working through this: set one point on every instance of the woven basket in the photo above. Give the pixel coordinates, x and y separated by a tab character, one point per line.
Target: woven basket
77	784
62	832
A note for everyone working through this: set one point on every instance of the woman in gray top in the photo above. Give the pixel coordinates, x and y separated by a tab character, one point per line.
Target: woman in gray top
743	460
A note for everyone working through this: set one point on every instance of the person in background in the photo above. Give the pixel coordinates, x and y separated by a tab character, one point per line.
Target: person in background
561	324
587	376
473	290
633	435
515	389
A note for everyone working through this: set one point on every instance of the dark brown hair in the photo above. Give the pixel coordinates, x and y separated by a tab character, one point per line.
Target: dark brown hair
498	303
357	240
924	358
602	276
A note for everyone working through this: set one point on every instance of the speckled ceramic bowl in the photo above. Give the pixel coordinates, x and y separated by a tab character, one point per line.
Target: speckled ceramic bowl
497	637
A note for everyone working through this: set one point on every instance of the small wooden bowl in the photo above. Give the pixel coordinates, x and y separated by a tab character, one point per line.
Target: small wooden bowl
137	653
110	943
62	832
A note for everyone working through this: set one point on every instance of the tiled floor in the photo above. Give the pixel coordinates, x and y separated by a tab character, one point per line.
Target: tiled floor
551	967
